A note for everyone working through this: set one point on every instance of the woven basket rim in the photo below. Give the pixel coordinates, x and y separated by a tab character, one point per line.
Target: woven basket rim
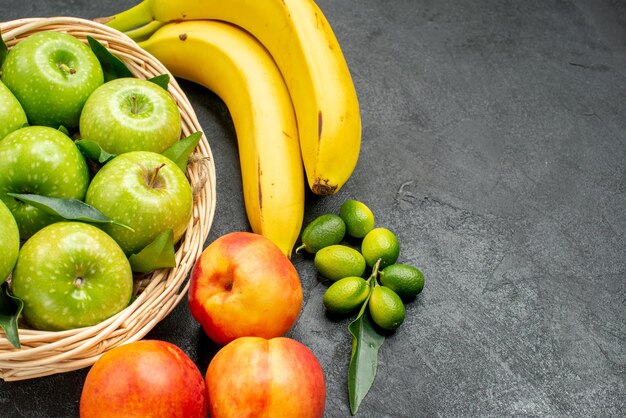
45	352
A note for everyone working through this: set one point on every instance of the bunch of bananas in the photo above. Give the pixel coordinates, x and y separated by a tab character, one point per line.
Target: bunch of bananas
279	69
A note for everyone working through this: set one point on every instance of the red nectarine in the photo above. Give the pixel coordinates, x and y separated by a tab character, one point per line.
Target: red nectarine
243	285
148	378
255	377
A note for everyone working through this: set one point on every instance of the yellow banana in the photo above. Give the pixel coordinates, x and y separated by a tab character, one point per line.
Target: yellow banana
302	43
232	64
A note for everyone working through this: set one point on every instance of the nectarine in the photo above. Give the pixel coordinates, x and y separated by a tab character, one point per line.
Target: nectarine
243	285
148	378
255	377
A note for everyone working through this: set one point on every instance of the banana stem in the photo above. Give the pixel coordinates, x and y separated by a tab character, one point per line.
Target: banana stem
135	17
144	32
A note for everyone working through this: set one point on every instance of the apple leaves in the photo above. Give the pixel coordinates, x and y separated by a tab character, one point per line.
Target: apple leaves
65	131
93	151
112	66
4	50
181	150
10	310
161	80
70	209
158	254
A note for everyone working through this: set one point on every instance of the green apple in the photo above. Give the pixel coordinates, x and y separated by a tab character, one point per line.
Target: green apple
12	116
131	114
143	190
71	275
52	74
9	242
44	161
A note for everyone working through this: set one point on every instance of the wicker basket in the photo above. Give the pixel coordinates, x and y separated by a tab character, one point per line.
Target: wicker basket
45	353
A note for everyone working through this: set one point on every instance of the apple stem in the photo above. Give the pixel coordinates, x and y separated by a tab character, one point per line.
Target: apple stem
78	282
155	173
67	69
133	105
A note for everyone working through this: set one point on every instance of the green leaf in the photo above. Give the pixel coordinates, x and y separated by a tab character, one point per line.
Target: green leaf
10	310
4	50
181	150
93	151
158	254
112	66
161	80
364	359
69	209
64	130
366	341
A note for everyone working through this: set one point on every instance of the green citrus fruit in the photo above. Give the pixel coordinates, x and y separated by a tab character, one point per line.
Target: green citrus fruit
380	243
358	217
386	308
405	280
346	294
323	231
338	261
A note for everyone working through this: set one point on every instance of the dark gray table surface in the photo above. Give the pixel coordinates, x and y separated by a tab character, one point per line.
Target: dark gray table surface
494	145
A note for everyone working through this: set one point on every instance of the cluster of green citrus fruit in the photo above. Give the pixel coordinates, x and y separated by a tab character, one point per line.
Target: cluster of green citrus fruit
389	285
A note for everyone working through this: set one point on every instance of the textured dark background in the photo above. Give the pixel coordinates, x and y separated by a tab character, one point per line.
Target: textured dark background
494	145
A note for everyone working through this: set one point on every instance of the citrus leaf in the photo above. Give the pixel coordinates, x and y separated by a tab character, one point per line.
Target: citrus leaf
10	310
364	358
161	80
112	66
93	151
158	254
366	341
181	150
69	209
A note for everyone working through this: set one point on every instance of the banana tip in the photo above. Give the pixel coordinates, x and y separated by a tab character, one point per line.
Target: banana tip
323	188
103	20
